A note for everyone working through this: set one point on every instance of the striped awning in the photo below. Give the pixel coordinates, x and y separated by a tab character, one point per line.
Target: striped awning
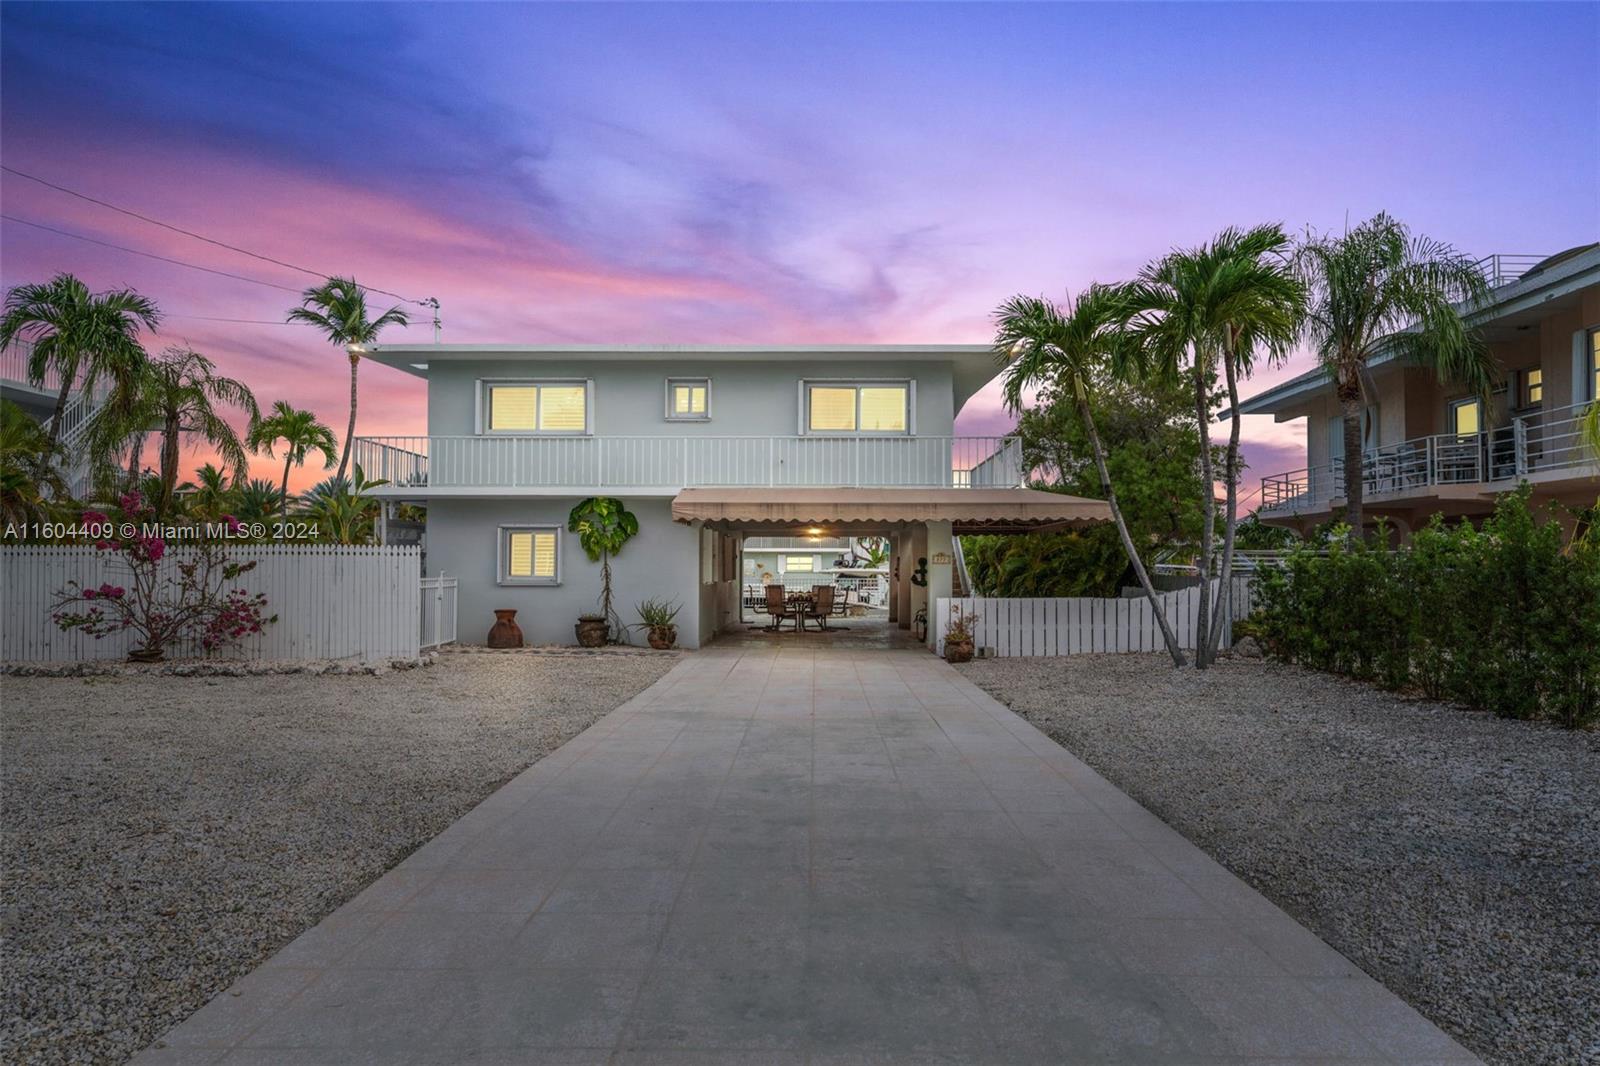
981	510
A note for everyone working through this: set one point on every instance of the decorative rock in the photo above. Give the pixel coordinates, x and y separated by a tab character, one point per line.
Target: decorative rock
1248	648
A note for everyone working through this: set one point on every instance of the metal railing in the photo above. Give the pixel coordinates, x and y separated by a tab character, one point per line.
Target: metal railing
1533	443
1500	269
585	462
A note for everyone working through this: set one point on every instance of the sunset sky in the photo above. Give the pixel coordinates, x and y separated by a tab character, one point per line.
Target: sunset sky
757	174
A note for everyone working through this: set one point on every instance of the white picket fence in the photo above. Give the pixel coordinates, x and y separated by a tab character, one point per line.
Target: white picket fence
1009	627
332	602
439	611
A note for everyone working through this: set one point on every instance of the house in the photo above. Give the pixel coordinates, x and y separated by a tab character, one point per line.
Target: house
38	401
1432	449
708	446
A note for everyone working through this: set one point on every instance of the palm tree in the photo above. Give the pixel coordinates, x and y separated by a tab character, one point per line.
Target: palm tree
341	509
300	432
256	500
211	494
1378	290
77	333
338	307
30	485
1220	304
179	394
1069	347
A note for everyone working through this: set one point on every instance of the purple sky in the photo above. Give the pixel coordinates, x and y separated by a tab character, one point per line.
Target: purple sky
762	174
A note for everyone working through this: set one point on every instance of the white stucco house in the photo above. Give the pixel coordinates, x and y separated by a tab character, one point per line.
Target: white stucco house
707	445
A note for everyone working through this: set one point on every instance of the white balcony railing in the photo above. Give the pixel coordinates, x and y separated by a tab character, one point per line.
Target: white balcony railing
1540	442
663	463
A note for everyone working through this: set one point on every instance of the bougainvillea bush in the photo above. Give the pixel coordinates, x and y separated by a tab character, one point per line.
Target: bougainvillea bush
185	602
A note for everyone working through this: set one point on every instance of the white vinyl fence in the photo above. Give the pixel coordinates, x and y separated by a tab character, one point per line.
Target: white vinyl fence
1008	627
438	611
332	602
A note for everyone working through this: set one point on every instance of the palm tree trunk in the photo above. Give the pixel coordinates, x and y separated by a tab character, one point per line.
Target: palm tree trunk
54	432
1134	560
283	503
169	467
135	460
1231	524
1350	409
350	431
1202	620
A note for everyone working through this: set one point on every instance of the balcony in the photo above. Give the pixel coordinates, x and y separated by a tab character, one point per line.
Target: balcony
1543	446
551	465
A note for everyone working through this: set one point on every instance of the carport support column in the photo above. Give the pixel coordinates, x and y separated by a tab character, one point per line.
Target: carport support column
902	592
893	596
915	558
941	570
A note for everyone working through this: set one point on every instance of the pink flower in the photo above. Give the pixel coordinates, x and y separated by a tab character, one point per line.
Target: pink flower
94	518
155	548
102	545
234	525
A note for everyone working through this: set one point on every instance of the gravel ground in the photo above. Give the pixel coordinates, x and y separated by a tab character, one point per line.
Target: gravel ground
1452	855
161	836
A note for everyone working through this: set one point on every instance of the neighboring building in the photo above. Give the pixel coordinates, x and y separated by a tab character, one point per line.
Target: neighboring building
708	446
1430	448
39	401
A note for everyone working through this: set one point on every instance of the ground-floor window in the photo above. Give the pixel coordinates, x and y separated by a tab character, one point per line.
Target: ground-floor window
529	555
798	564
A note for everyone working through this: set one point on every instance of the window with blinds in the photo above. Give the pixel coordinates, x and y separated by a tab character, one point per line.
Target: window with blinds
689	399
865	408
537	407
529	555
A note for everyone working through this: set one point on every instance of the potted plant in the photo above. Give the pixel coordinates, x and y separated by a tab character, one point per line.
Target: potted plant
958	639
656	618
603	526
592	630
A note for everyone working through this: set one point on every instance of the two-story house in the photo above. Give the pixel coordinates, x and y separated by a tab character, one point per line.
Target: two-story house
38	401
1432	449
707	446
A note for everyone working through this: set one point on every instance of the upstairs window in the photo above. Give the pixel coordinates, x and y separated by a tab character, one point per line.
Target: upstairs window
1594	364
1466	417
875	407
529	555
1532	387
536	407
798	564
689	399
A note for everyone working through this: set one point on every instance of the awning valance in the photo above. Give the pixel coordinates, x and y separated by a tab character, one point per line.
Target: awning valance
969	510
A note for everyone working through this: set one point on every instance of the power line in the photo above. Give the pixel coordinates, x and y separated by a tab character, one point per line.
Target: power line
197	236
147	255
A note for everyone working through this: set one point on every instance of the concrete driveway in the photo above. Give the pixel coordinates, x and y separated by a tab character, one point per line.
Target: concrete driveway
792	854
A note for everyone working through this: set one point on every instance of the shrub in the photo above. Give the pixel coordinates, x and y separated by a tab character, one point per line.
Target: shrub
1500	618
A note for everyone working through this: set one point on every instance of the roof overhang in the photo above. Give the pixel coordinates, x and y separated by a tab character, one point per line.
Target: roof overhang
972	366
968	510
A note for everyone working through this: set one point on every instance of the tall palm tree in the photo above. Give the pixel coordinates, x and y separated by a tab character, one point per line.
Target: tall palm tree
1377	290
300	433
82	336
338	307
1069	347
180	393
1223	303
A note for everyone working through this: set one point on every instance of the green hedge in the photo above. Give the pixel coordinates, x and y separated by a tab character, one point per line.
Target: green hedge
1500	618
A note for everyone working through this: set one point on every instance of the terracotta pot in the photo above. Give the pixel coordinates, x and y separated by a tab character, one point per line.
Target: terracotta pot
663	637
505	633
958	651
592	632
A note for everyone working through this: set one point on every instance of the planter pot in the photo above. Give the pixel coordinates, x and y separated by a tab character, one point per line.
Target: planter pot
505	633
663	637
592	632
144	655
958	651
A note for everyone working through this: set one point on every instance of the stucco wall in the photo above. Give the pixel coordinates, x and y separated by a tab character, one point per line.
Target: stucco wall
662	561
747	399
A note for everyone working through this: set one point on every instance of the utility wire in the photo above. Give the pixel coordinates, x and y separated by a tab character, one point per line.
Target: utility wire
197	236
147	255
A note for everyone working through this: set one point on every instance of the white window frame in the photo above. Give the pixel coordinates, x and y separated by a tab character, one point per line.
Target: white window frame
483	404
811	560
671	416
503	537
807	384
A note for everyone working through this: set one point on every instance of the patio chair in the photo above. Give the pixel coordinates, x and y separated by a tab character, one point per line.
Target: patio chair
821	605
778	607
841	603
